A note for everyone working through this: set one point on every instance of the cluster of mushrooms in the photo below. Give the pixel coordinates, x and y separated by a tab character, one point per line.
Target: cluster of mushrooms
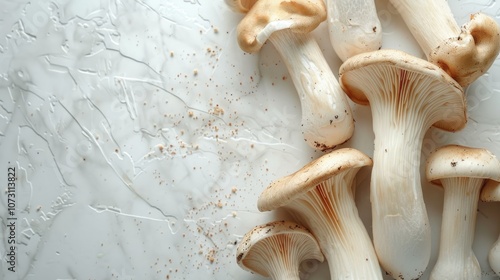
407	96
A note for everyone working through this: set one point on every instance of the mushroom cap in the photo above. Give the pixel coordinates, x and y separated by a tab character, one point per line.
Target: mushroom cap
453	161
469	55
274	240
241	6
491	191
284	190
409	80
267	16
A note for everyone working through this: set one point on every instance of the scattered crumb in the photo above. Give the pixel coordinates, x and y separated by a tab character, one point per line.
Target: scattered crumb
218	110
211	257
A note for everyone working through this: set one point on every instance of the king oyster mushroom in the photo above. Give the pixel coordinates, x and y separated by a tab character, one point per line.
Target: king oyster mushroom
407	96
466	52
326	114
321	197
462	172
277	249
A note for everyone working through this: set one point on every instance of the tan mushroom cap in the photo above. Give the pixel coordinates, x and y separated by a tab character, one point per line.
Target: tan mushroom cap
300	16
274	240
471	54
284	190
401	74
453	161
241	6
491	191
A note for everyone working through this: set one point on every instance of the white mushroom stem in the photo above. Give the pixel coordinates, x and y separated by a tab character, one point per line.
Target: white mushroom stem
494	257
401	229
329	211
456	260
430	21
466	52
491	193
354	27
326	114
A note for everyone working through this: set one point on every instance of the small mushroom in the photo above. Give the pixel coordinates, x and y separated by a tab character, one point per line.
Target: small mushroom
326	114
277	249
321	197
407	96
354	27
462	172
466	52
491	192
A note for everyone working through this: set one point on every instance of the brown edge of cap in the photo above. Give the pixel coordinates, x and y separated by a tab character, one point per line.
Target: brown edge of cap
452	161
285	189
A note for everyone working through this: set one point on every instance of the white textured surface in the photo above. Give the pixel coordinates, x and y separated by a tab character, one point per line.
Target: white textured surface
142	136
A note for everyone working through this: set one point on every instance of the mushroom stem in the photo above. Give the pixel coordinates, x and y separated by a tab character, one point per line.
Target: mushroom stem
494	257
430	22
490	193
326	114
354	27
401	229
456	260
466	52
330	212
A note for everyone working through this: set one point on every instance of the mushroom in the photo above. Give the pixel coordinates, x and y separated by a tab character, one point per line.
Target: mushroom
407	96
326	114
321	197
462	172
354	27
277	249
466	52
491	192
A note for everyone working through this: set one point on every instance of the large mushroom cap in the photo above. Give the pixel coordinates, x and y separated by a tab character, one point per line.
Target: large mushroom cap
471	54
284	190
453	161
280	239
267	16
408	81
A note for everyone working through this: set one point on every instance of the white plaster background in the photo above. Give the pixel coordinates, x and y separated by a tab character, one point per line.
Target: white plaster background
142	136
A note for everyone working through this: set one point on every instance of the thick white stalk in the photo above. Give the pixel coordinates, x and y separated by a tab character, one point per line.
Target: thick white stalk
430	21
456	260
494	257
326	114
401	229
354	27
330	213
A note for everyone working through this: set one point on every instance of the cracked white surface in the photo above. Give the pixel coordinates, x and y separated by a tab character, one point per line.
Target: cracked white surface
142	135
